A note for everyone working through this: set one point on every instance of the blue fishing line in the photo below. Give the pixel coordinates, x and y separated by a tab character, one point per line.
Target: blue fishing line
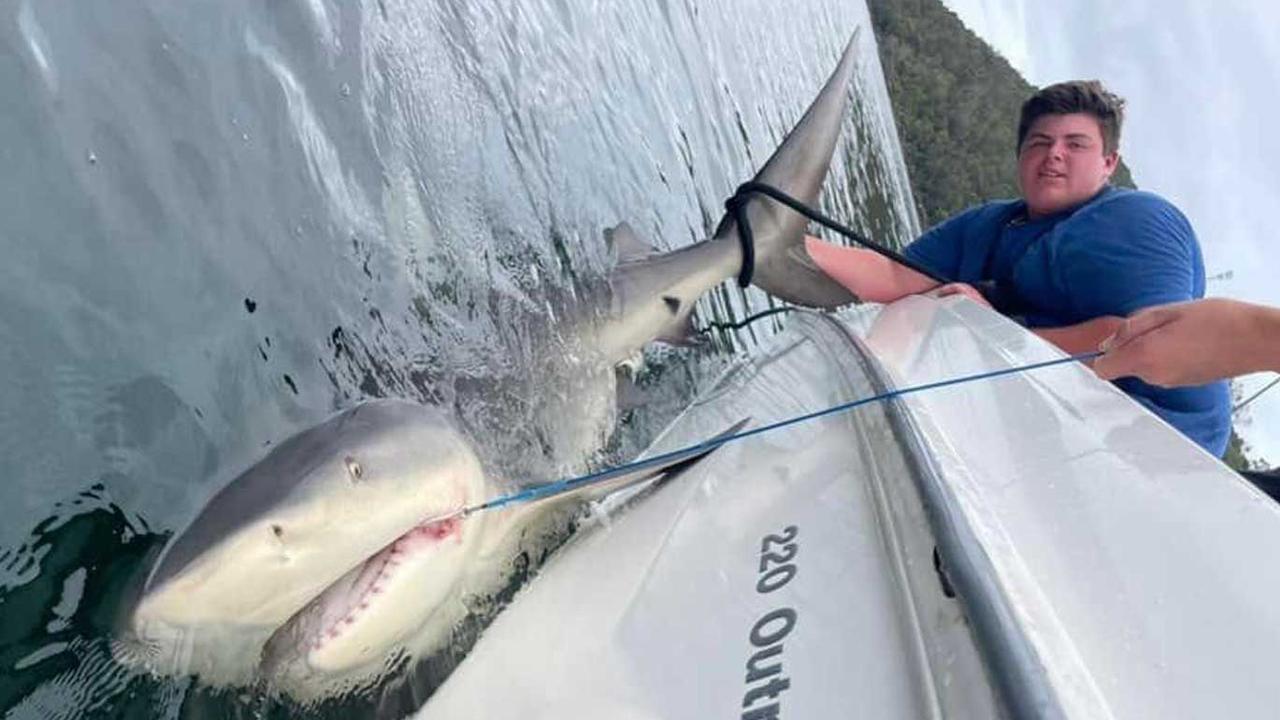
702	448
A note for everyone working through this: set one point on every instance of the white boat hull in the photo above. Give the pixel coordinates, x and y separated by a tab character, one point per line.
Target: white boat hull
1105	566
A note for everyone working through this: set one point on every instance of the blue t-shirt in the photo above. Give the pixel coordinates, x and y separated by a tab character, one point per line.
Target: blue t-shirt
1117	253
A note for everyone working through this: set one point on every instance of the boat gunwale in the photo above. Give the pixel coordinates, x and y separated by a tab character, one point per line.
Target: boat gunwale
1019	678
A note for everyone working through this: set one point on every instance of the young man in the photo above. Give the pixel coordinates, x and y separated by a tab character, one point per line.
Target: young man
1069	259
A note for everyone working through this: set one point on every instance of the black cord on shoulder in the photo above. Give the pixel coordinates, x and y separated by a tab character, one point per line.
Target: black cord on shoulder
736	206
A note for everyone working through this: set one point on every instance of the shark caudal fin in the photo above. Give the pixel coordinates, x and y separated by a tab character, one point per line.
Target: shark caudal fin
798	168
652	293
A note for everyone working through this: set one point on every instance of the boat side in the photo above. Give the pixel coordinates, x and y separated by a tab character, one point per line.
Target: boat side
1031	545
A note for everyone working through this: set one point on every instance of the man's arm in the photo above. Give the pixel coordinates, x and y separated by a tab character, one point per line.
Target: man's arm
1083	337
876	278
1193	343
867	274
1071	339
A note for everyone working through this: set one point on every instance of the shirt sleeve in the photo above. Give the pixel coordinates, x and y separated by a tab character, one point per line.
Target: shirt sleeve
1128	254
941	248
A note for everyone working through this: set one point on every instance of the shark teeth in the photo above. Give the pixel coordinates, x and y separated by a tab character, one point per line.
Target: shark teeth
380	570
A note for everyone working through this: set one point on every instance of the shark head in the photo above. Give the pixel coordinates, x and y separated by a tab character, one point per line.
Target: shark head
320	504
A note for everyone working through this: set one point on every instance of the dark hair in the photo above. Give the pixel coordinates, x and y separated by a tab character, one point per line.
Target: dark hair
1077	96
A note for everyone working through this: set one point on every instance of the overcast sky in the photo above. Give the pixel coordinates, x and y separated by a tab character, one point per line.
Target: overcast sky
1202	82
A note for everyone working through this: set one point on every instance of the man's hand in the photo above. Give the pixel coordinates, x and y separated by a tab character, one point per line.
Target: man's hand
964	289
1192	343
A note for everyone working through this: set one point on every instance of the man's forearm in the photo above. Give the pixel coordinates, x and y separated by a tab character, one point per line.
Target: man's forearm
884	280
869	275
1082	338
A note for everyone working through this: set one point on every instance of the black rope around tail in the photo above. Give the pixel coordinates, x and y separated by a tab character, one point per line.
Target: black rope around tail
736	206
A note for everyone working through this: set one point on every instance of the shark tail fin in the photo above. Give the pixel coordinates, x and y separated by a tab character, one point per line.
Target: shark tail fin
798	168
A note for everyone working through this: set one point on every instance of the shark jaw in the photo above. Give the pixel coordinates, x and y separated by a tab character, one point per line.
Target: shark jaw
325	522
343	636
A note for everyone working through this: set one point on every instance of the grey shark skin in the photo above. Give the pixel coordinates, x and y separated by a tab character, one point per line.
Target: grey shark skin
413	594
322	559
338	549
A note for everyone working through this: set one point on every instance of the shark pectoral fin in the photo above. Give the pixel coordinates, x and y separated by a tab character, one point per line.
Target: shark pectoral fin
625	245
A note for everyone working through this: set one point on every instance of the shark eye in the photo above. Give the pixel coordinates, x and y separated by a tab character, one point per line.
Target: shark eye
277	530
354	469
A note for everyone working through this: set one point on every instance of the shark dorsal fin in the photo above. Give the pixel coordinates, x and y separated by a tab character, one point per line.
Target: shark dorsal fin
625	245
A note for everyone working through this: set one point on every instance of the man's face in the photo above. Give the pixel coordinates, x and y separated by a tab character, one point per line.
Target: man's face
1061	163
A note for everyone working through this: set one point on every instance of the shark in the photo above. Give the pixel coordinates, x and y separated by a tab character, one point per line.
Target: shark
342	550
344	544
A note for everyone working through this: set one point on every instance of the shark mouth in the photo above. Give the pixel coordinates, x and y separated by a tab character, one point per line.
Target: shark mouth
373	608
378	573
